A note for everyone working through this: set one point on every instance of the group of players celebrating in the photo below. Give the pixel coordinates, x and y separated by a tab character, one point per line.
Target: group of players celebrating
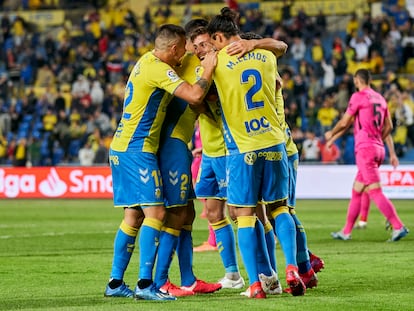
229	82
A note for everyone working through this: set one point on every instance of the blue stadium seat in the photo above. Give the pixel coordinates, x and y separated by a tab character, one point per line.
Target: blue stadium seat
408	156
58	154
349	150
74	147
28	118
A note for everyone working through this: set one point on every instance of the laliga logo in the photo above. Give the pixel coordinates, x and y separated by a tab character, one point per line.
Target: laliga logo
52	186
12	184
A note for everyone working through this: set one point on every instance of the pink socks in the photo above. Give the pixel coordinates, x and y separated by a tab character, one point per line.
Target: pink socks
386	207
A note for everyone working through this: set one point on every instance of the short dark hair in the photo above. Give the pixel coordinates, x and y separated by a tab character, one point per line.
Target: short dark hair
197	32
364	75
195	23
168	34
250	35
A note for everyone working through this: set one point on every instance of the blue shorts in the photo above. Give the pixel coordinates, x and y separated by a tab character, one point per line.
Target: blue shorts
293	173
136	179
175	165
260	175
211	180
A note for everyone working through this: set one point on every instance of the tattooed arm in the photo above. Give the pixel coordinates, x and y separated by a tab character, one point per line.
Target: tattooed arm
194	94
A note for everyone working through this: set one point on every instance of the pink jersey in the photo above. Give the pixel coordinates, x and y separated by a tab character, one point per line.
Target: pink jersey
370	110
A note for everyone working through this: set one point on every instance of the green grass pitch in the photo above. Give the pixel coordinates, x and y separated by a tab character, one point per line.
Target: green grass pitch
57	254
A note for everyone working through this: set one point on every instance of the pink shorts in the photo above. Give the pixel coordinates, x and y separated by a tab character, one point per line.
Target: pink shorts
195	166
368	161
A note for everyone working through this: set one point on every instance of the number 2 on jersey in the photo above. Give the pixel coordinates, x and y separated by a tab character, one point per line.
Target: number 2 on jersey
257	79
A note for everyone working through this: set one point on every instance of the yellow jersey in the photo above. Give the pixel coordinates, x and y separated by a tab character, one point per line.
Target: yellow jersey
180	118
247	90
211	131
148	92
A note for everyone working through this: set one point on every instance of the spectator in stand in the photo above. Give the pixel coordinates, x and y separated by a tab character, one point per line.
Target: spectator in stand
86	155
287	19
321	23
101	154
329	154
297	49
342	96
328	74
317	54
311	116
20	153
49	120
394	34
311	150
34	155
404	114
45	76
376	62
391	56
327	114
80	87
361	44
352	27
3	148
97	94
407	45
61	132
314	86
11	149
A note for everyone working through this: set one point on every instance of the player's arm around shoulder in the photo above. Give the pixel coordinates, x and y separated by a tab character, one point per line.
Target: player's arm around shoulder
195	93
241	47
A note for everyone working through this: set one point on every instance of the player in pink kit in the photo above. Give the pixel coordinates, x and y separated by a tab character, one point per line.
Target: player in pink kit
210	244
372	124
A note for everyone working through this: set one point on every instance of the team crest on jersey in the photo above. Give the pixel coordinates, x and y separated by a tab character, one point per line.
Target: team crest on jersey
295	164
198	72
183	194
172	75
157	193
250	158
137	69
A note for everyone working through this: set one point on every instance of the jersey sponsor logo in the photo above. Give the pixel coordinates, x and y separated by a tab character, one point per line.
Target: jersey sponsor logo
172	75
198	72
257	126
250	158
271	155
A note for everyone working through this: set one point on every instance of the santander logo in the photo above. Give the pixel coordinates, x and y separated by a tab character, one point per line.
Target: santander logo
52	186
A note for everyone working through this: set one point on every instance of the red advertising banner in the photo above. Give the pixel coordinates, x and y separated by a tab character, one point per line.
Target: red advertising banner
397	178
56	182
314	181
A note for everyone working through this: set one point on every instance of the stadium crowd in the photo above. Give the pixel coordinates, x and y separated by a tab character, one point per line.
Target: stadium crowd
62	89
